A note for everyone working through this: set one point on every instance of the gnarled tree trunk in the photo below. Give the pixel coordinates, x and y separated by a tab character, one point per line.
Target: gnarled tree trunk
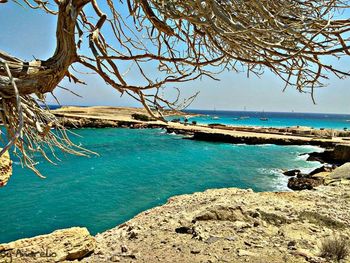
40	76
181	40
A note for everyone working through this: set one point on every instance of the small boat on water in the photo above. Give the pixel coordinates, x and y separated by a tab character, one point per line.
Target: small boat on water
215	117
264	118
244	117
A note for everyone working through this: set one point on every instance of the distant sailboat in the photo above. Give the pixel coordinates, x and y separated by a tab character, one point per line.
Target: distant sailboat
244	117
264	118
215	117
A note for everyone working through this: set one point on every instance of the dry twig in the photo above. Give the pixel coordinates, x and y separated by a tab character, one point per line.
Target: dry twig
181	40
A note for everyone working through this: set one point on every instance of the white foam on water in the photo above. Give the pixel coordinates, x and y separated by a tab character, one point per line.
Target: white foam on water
310	169
264	145
172	133
254	145
279	181
302	157
312	148
270	170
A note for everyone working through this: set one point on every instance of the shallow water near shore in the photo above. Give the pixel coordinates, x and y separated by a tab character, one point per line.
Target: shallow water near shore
136	170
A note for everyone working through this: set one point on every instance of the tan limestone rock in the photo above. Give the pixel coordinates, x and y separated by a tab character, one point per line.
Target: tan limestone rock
5	168
67	244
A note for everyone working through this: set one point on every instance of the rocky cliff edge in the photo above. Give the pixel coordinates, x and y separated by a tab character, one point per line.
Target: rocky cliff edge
218	225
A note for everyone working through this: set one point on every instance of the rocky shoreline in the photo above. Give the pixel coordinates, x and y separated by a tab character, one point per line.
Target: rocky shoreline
111	117
217	225
231	225
331	160
336	142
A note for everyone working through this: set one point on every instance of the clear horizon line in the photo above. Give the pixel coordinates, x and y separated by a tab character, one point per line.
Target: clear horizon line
196	109
334	113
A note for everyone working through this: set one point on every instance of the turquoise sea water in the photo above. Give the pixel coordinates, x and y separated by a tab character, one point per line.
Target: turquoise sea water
136	170
275	119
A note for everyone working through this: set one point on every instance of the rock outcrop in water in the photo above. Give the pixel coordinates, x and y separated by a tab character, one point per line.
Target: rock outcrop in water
300	181
224	225
293	172
251	136
304	183
100	117
340	154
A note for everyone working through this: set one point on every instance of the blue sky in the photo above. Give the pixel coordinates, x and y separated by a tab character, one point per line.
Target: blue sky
27	33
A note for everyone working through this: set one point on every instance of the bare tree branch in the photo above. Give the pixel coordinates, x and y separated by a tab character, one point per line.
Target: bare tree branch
181	41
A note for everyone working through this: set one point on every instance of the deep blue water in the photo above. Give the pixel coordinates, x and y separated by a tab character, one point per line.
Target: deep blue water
136	170
275	119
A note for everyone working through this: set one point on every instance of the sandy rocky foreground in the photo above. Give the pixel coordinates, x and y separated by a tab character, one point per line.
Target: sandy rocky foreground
219	225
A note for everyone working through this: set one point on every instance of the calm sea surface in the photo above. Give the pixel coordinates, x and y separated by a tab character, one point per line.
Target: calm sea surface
275	119
136	170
